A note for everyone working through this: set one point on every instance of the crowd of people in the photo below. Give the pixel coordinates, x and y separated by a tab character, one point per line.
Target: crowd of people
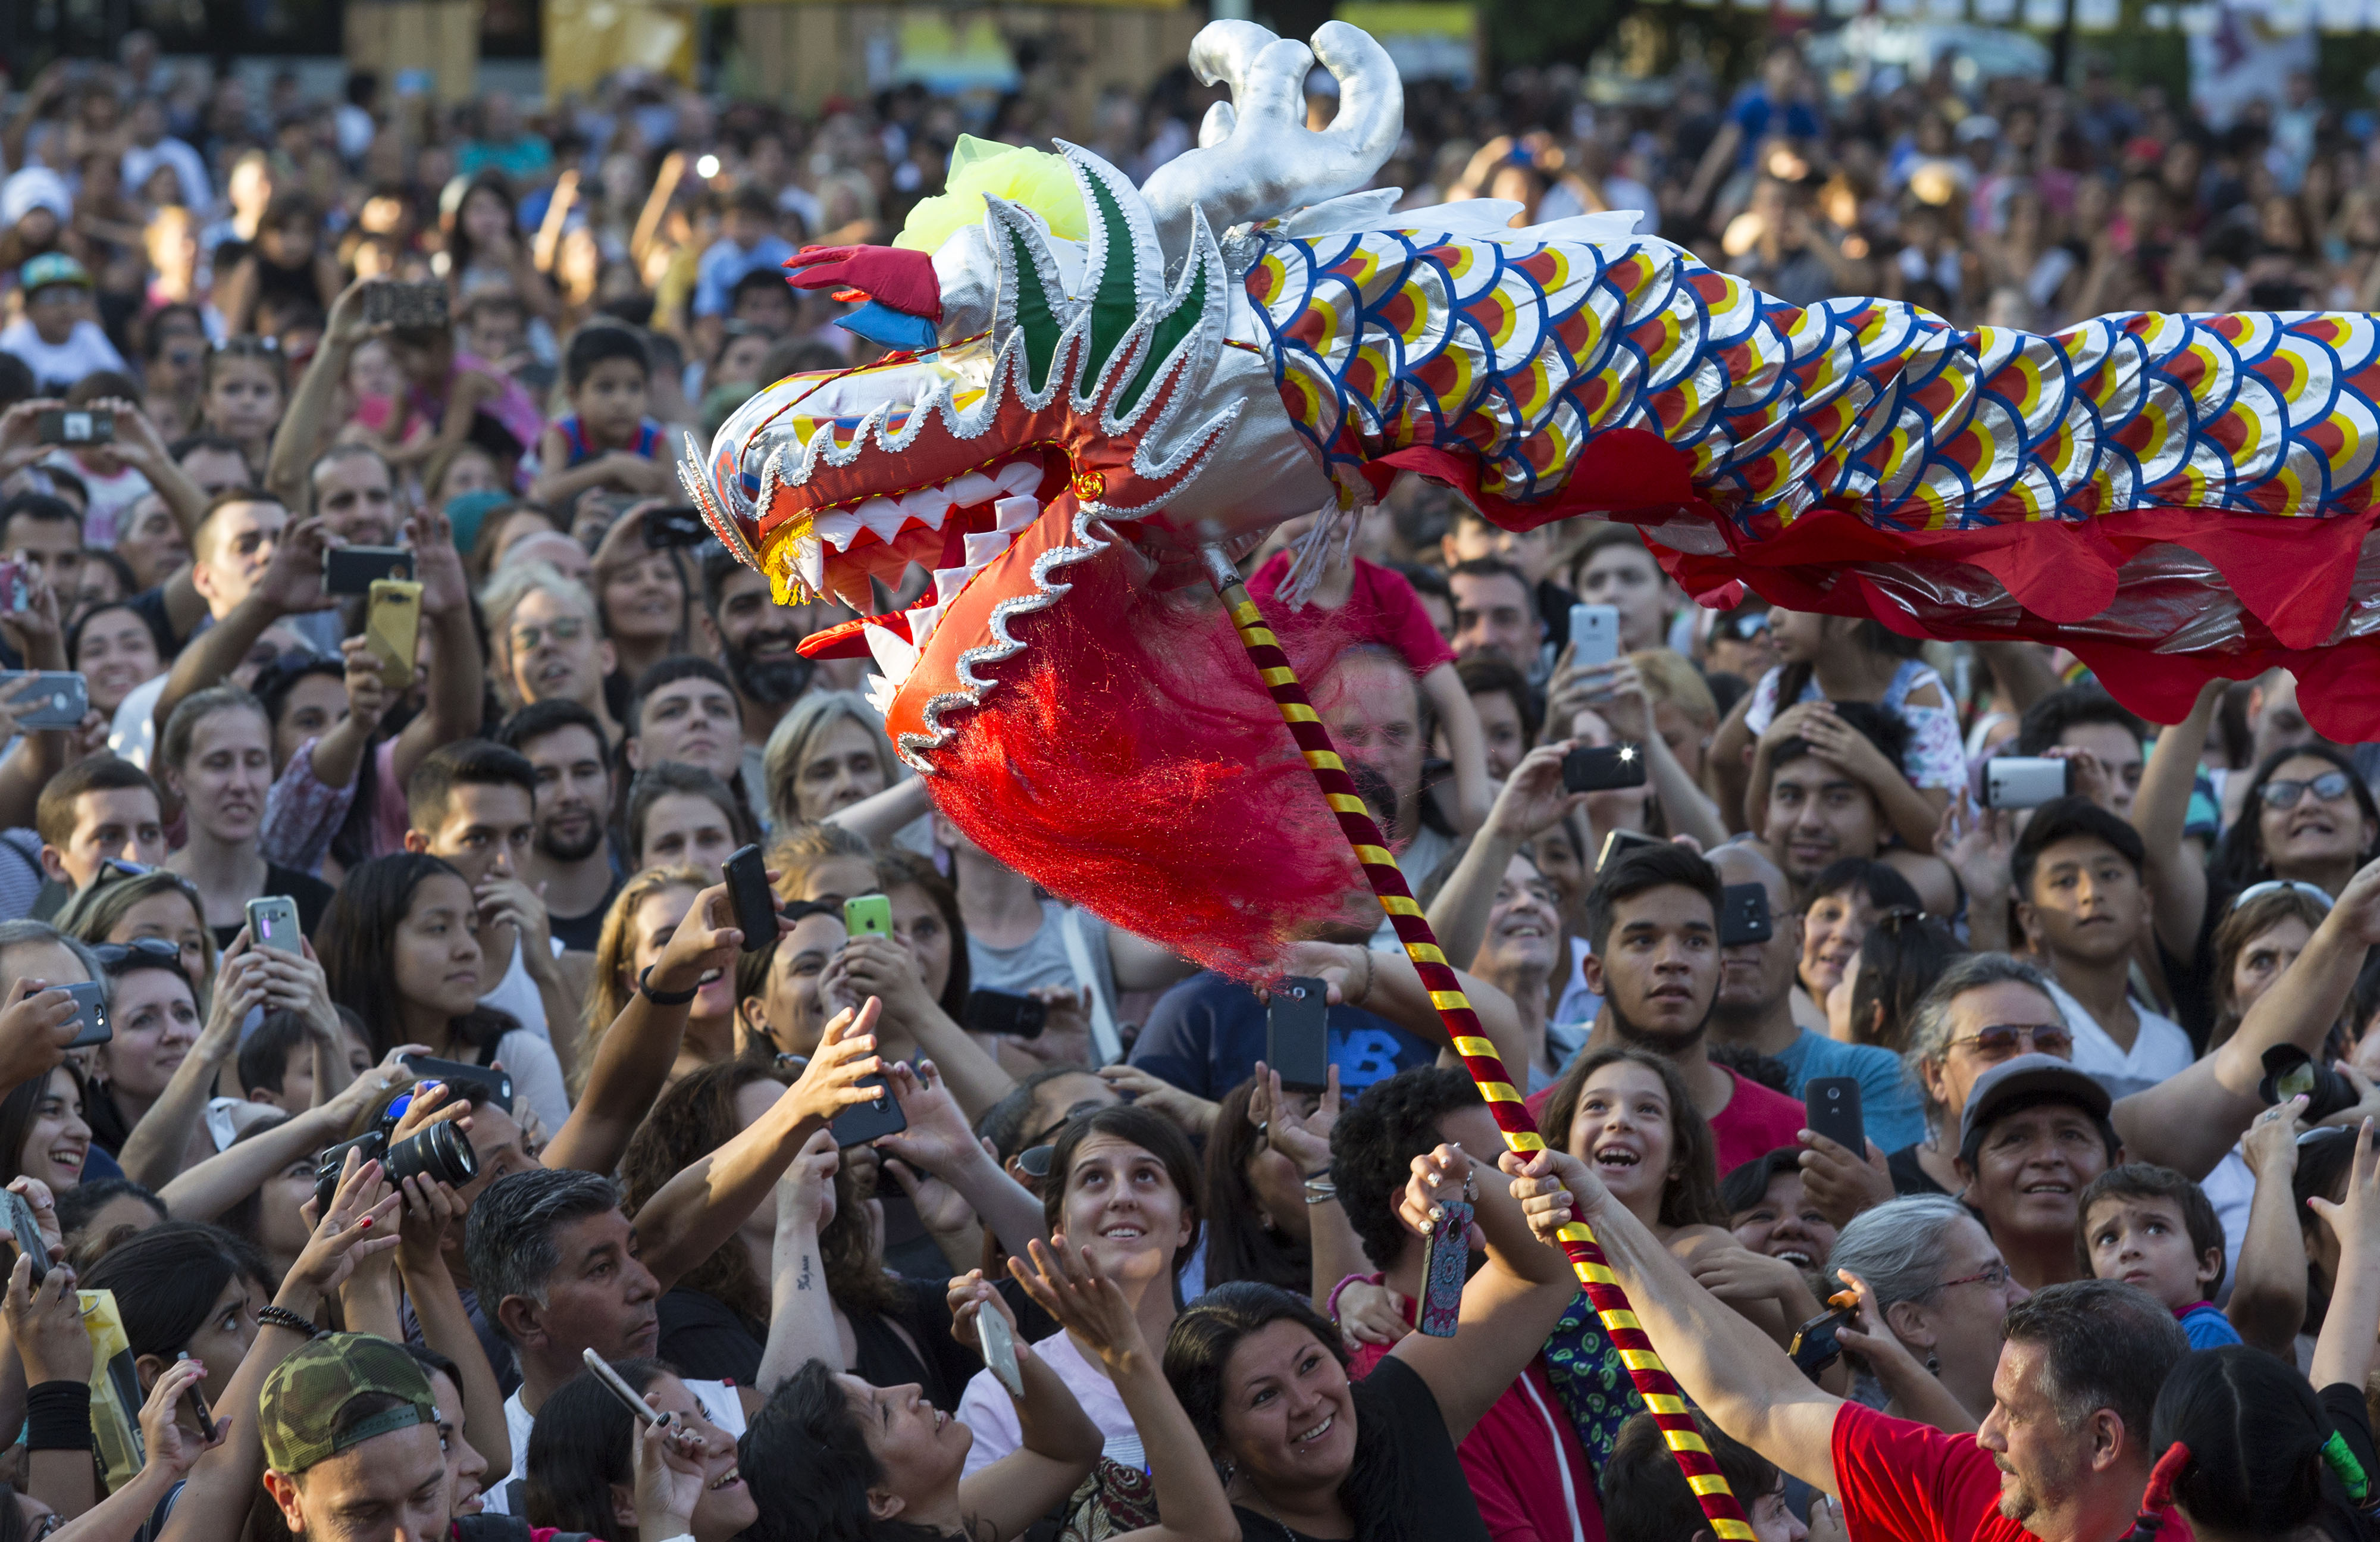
509	1197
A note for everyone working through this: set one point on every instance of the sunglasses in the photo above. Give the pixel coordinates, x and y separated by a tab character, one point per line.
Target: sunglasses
154	950
2275	885
2004	1038
2330	786
1741	628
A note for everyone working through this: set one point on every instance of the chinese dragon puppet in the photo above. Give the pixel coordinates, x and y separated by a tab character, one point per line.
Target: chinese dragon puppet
1098	396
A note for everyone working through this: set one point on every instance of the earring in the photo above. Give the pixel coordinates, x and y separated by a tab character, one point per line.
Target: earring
1226	1469
1933	1363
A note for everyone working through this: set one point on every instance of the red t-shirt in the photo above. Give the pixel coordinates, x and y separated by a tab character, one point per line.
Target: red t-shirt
1754	1122
1906	1482
1381	608
1528	1473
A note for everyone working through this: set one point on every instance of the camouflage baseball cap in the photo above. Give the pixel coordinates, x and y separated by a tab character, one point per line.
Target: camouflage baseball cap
306	1393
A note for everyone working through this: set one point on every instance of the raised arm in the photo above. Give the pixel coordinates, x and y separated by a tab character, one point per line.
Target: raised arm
1532	800
2188	1120
1466	745
881	967
1058	1445
1725	1366
1507	1308
292	583
140	446
457	672
878	818
153	1152
2176	885
700	1209
2268	1279
430	1213
1386	985
2343	1353
306	427
939	1143
801	1316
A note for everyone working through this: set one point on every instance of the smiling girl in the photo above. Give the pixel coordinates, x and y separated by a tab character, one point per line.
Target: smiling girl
116	652
43	1131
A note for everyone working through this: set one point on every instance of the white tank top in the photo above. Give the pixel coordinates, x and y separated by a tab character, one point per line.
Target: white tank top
517	994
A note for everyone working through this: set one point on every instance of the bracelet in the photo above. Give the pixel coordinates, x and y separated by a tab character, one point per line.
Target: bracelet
664	998
57	1416
282	1316
1366	994
1320	1191
1318	1172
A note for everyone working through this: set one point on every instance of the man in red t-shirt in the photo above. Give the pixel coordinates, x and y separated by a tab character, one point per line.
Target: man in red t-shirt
2063	1455
1652	930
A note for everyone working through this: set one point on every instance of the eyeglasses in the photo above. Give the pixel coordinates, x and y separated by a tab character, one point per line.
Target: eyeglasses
2003	1038
569	629
115	955
1994	1275
2329	786
246	346
2275	885
1741	628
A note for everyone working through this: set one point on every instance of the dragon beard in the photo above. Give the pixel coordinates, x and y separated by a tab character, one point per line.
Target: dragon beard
1132	761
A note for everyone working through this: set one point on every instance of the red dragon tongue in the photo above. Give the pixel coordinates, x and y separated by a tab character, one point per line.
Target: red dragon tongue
848	640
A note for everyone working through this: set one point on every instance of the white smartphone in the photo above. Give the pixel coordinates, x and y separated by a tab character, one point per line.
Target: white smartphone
273	923
999	1349
1594	635
2026	782
619	1389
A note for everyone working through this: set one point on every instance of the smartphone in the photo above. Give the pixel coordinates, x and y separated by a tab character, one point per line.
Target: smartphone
494	1086
1743	916
1445	1265
680	525
1620	842
1297	1034
747	891
862	1122
867	916
1601	769
999	1349
1004	1012
16	586
407	305
1594	635
392	629
2024	782
91	1010
1833	1110
1814	1346
351	569
273	923
17	1213
46	699
73	425
197	1399
616	1384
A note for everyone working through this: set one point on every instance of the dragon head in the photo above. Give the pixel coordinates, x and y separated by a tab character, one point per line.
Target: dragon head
1077	377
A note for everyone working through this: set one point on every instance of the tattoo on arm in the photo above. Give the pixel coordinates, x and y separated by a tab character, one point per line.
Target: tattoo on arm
802	1282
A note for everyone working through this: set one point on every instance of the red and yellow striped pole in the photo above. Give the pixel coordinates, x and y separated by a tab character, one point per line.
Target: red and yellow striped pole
1652	1378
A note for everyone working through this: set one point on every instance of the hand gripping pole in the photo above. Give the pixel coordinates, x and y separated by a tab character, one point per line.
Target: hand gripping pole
1653	1380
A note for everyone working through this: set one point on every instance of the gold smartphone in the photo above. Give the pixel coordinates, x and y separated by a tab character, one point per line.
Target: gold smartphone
393	628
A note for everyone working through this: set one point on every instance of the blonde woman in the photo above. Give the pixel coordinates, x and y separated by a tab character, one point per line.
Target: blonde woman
122	907
828	757
635	931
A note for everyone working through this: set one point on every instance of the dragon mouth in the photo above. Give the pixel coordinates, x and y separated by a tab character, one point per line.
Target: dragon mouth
953	526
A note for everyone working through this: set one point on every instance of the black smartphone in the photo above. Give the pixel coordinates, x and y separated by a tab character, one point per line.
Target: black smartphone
747	890
1814	1346
492	1085
1620	842
679	525
1744	916
26	1227
90	1011
862	1122
73	425
1833	1105
198	1399
1297	1034
407	305
1601	769
351	569
1006	1012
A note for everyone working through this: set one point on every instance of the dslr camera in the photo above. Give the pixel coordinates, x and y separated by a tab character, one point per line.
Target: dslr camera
440	1152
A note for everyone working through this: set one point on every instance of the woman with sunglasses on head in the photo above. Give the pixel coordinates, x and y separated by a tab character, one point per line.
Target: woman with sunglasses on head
2307	818
122	906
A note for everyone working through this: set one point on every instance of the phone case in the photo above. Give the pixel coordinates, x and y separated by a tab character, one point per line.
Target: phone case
1446	1264
1832	1106
1297	1035
273	923
862	1122
393	628
26	1227
1743	916
430	1068
1594	635
49	698
867	916
747	891
1601	768
999	1350
352	569
90	1000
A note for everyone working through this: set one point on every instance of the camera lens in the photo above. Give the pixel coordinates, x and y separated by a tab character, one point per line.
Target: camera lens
2289	1073
333	1159
439	1153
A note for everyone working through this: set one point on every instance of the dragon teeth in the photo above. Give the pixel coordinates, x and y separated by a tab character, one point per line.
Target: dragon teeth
948	581
982	548
895	657
1015	514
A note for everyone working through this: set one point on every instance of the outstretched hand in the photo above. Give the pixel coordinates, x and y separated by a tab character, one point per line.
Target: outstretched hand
1064	1282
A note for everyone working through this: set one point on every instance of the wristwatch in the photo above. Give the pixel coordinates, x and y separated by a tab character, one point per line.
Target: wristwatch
664	998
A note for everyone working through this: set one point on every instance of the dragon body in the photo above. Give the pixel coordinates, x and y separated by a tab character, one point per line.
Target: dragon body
1073	419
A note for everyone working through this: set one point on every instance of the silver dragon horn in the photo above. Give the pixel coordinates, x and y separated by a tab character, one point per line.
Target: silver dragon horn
1255	157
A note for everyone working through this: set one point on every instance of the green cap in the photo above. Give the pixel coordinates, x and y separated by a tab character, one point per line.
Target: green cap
306	1393
53	267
